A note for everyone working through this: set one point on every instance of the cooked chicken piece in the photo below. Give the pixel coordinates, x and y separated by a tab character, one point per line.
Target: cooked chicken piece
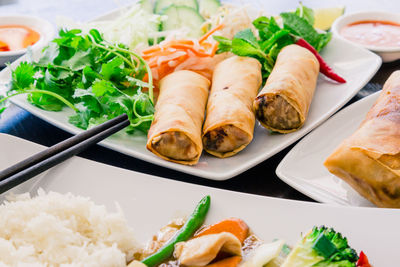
202	250
165	234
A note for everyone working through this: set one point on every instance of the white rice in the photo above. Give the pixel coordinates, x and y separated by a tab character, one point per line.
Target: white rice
53	229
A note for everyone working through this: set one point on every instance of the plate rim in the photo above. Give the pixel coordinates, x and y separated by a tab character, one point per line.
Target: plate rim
294	182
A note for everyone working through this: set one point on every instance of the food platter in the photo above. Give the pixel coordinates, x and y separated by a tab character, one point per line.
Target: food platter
303	169
356	64
149	202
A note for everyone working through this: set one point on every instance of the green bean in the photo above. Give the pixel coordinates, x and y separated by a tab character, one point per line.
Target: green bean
194	222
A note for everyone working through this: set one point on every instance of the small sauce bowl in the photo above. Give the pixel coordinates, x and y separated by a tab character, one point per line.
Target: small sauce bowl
43	27
387	53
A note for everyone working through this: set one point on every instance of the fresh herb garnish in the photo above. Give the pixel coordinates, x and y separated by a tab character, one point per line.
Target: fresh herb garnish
272	37
97	79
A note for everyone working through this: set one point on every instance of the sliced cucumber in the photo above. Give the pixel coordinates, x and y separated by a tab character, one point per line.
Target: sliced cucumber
209	8
162	4
146	5
183	16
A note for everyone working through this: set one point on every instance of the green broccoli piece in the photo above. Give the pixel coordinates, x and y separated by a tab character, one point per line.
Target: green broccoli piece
322	247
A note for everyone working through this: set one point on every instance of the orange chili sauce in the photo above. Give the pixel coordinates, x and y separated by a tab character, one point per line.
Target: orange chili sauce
373	32
17	37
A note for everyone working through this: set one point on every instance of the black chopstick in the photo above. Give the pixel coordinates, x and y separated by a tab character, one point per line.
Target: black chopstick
68	149
24	164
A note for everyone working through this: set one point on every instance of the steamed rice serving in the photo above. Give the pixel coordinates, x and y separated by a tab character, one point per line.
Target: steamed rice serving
53	229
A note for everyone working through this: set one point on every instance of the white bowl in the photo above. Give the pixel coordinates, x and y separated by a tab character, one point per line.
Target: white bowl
388	54
43	27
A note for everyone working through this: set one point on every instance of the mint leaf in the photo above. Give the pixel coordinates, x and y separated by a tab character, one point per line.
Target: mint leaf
325	38
267	44
245	44
306	13
224	44
242	48
266	27
300	27
248	36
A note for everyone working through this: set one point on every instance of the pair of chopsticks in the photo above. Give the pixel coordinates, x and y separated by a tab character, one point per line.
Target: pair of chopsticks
44	160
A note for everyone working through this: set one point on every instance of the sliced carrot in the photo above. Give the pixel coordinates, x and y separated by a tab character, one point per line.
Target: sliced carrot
209	33
228	262
235	226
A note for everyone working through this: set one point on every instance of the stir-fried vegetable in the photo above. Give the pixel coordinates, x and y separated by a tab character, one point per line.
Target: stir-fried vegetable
194	222
273	37
322	247
97	79
235	226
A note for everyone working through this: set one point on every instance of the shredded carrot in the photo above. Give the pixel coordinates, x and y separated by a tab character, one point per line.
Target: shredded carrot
228	262
195	55
209	33
235	226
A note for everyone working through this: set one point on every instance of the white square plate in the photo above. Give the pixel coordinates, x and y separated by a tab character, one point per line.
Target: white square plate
149	202
355	64
303	169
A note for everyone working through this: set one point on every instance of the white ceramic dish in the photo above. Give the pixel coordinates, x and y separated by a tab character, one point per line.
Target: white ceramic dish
357	65
43	27
303	169
388	54
150	202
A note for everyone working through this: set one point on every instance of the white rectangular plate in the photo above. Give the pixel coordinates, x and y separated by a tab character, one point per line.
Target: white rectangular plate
356	64
303	169
150	202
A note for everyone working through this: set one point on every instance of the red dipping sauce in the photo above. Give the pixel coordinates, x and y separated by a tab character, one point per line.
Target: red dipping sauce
373	33
17	37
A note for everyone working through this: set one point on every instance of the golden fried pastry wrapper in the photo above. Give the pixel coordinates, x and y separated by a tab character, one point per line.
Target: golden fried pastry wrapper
175	133
369	160
288	91
230	120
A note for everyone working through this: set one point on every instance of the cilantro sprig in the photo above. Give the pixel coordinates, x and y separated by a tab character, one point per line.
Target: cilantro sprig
97	79
272	37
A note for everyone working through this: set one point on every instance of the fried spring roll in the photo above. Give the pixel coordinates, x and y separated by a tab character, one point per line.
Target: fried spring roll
282	105
230	120
369	160
175	133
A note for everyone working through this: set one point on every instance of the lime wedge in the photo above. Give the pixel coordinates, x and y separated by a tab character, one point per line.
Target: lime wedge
324	17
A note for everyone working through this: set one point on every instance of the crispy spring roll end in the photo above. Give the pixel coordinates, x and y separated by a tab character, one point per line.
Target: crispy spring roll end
225	139
175	145
275	113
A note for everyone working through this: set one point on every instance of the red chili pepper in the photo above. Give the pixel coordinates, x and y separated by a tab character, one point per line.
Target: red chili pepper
323	66
363	260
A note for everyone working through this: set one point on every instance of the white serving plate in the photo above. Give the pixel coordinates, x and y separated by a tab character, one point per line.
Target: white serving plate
303	169
149	202
356	64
